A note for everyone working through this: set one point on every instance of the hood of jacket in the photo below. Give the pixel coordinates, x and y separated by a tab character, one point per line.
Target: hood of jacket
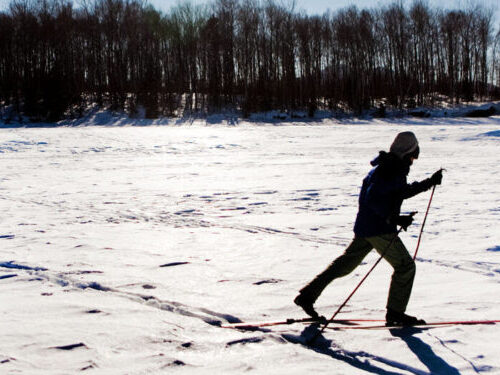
389	164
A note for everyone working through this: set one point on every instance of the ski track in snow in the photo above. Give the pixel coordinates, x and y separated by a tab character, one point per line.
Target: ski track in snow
124	249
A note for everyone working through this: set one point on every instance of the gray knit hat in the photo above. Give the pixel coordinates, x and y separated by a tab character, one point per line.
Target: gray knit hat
405	143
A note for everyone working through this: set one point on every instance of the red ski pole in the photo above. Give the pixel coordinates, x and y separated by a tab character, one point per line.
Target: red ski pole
423	223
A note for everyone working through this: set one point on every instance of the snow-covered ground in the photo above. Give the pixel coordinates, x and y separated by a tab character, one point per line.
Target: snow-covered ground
123	247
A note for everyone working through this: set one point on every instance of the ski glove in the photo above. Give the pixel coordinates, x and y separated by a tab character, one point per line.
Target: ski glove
437	177
404	221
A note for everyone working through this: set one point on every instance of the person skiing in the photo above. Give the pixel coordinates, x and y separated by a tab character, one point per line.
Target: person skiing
382	194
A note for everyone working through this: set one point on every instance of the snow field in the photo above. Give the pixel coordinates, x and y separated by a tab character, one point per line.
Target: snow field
123	247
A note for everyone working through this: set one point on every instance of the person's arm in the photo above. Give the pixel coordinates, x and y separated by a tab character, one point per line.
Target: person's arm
410	190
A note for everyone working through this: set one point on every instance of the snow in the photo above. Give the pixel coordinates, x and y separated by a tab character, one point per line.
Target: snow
123	247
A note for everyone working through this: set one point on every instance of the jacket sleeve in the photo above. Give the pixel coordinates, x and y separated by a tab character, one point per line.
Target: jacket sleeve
417	187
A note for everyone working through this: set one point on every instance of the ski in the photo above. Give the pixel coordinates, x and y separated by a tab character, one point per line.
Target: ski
426	325
257	325
346	324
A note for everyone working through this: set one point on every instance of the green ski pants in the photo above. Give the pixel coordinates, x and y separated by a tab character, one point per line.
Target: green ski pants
396	254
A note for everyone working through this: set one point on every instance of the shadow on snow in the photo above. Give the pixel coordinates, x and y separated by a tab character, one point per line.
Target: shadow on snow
367	362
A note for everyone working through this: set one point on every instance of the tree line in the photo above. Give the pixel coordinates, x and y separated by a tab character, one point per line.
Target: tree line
247	55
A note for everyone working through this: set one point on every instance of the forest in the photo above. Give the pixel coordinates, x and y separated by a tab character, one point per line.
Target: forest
58	58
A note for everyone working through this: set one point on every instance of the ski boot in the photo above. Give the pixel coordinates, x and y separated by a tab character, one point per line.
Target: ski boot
307	306
394	318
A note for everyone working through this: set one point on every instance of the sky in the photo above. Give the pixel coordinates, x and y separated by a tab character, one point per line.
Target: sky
320	6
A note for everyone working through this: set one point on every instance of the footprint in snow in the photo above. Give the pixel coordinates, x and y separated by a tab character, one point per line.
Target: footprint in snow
250	340
7	276
270	281
176	363
71	346
174	264
13	265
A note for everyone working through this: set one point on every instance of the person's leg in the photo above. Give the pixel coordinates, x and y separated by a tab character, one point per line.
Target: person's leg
404	269
343	265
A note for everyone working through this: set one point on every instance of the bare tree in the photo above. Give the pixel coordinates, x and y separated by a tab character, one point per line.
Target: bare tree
249	55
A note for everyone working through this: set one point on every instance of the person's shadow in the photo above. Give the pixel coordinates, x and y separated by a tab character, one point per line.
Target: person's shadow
423	351
368	362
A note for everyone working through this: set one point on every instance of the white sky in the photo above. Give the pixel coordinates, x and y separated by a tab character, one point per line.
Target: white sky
320	6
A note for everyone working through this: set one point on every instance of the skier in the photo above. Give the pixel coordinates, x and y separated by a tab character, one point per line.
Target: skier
382	194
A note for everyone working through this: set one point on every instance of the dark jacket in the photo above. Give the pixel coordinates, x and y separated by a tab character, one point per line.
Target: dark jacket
382	195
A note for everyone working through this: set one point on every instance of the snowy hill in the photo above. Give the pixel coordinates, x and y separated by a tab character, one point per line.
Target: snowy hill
123	248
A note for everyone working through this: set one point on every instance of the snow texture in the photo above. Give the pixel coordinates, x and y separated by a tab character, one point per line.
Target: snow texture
124	248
